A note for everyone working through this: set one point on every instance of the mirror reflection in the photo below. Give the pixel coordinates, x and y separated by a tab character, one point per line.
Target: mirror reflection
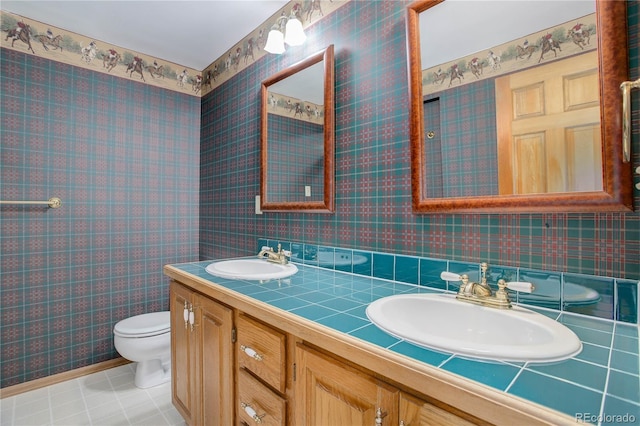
295	122
297	136
508	114
531	81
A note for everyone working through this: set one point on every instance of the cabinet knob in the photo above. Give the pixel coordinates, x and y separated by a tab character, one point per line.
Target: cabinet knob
251	412
251	353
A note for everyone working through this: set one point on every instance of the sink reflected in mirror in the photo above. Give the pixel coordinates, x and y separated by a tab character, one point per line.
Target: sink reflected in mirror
440	322
329	259
250	269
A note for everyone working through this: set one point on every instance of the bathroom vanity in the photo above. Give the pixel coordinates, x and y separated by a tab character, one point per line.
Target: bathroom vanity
282	352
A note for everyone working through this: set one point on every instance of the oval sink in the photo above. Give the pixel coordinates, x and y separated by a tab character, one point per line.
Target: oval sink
251	269
439	321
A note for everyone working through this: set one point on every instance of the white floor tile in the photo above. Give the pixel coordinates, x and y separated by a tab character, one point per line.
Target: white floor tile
80	419
60	410
25	408
106	398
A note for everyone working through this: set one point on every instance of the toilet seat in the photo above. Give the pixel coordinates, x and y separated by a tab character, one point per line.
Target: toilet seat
145	325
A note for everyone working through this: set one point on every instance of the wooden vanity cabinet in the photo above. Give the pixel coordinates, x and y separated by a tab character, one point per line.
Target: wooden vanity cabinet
282	370
324	390
201	358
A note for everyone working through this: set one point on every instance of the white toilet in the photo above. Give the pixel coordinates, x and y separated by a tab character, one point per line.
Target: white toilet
146	339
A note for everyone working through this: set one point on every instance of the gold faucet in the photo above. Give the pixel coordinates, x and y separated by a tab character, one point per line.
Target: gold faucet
481	293
280	256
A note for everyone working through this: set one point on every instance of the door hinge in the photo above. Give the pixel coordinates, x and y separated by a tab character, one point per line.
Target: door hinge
234	335
294	371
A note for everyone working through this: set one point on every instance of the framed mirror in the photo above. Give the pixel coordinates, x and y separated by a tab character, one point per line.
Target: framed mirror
529	121
297	137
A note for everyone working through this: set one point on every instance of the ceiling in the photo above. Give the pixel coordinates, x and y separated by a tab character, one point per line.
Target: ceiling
192	33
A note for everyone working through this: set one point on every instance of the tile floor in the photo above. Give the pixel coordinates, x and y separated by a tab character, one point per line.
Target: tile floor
106	398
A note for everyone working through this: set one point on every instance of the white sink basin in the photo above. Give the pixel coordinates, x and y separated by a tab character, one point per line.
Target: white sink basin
251	269
439	321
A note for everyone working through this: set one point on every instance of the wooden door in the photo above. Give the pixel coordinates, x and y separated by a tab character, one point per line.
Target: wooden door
548	123
214	323
329	393
183	385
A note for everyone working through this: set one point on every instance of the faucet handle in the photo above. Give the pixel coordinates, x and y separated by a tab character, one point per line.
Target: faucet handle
450	276
521	286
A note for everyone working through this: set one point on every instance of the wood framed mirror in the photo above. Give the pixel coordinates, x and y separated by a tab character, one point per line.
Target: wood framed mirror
464	165
297	136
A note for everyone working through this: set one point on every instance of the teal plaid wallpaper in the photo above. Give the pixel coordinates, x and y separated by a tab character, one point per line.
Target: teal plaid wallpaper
149	177
123	158
373	199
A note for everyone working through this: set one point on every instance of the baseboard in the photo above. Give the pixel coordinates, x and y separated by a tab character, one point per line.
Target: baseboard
61	377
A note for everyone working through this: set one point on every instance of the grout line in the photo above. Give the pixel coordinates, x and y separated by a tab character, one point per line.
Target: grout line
606	382
50	404
515	378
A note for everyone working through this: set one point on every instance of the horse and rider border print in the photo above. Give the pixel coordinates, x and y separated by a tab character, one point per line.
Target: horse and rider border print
40	39
551	44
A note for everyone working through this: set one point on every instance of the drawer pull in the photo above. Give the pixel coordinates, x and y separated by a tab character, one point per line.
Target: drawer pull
250	352
192	317
251	412
185	315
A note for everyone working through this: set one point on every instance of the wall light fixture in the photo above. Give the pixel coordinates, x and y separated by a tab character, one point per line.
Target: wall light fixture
294	34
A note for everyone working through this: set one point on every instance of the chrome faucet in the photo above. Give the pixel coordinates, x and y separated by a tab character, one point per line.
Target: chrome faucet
481	293
280	256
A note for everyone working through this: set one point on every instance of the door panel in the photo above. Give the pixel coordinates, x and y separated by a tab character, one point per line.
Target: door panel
549	128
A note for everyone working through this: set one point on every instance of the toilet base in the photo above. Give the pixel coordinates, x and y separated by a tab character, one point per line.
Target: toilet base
151	373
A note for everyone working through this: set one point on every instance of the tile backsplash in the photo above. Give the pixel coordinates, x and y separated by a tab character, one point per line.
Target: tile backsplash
603	297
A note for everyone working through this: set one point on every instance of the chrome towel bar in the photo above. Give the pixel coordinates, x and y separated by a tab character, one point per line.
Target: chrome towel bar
53	202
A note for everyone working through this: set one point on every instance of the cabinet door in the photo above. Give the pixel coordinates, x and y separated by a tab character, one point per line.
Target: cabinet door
416	412
329	393
183	386
214	323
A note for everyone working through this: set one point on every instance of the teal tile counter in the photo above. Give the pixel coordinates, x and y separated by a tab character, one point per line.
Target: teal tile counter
601	385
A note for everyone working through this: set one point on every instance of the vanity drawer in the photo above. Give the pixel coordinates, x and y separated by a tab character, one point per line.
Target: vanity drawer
258	404
261	350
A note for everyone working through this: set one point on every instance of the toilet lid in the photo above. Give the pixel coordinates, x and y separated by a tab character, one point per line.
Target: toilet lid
144	325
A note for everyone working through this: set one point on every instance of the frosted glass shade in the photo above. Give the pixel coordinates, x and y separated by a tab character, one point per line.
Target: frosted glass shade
275	42
294	33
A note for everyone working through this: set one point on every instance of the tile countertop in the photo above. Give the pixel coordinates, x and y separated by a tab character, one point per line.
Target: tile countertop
601	385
